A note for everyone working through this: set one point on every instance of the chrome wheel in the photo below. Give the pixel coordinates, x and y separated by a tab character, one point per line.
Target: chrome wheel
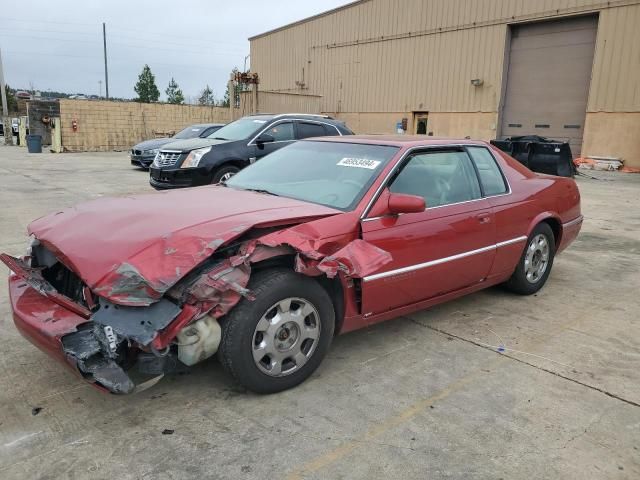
286	337
226	177
536	260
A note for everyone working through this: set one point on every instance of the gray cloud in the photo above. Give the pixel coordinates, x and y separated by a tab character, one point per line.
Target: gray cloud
58	45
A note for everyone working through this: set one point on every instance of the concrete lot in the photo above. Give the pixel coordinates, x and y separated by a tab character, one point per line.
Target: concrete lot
424	396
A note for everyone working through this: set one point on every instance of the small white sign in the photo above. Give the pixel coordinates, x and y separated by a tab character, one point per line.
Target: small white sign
359	163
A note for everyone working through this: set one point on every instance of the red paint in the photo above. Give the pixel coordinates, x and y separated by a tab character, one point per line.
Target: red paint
161	237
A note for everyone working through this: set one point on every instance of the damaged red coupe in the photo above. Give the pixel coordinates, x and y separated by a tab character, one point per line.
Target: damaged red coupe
322	237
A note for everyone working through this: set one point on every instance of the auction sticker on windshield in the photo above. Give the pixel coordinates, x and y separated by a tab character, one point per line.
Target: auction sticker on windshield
358	163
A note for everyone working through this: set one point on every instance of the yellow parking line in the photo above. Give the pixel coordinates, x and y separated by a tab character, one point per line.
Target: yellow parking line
404	415
398	419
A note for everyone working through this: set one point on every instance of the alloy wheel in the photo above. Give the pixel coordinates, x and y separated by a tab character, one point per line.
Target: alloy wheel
286	337
536	259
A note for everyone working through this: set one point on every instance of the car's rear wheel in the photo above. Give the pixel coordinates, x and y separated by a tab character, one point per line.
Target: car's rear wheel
224	173
535	262
276	341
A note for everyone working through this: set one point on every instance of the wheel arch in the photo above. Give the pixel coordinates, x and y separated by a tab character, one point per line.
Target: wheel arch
553	220
333	286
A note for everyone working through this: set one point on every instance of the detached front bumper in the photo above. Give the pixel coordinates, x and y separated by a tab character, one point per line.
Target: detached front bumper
92	348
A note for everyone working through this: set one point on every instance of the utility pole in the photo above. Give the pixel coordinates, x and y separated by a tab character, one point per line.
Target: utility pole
106	71
6	124
99	88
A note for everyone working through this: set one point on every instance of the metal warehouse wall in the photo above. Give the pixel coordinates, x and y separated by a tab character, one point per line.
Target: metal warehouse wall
395	57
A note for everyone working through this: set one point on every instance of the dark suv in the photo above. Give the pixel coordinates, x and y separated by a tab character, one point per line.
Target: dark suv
203	161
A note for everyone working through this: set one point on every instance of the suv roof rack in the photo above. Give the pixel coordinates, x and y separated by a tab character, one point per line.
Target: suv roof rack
303	115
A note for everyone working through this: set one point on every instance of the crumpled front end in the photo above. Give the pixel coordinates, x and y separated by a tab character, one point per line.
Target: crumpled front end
103	339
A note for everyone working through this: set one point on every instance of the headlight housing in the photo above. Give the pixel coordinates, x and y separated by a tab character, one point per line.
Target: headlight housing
194	157
153	151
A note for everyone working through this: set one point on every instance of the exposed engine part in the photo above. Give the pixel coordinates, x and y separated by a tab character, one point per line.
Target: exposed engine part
150	364
90	348
140	324
199	340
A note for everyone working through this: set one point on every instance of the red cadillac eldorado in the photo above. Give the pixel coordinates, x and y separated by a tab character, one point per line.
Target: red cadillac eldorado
322	237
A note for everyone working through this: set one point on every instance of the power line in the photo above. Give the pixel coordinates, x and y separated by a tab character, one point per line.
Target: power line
112	60
182	51
144	35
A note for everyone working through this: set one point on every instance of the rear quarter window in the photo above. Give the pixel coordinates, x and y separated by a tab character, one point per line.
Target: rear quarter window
491	178
307	130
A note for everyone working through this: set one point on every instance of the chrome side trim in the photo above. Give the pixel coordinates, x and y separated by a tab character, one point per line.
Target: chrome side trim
440	261
375	196
573	222
512	241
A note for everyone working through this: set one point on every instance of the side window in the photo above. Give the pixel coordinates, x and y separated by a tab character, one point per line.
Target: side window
441	178
281	132
490	176
306	130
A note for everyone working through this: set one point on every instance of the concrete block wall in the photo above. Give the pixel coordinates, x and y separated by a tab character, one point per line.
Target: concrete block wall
107	126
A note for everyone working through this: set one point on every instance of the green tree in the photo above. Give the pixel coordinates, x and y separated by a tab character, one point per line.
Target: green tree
146	87
174	94
225	99
206	97
12	101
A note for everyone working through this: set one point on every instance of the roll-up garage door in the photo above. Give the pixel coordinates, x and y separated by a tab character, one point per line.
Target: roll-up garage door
548	79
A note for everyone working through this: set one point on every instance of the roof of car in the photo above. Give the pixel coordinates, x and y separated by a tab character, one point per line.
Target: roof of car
310	116
401	140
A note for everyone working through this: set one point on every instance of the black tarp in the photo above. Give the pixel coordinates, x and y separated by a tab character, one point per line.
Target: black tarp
539	154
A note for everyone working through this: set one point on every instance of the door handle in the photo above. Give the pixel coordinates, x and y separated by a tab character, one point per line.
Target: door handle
484	218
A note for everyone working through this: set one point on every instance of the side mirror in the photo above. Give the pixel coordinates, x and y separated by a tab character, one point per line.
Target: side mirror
265	138
403	203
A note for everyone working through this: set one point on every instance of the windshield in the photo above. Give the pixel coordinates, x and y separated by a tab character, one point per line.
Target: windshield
240	129
333	174
193	131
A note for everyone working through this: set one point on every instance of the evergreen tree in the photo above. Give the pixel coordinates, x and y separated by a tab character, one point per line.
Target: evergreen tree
174	94
206	97
146	87
12	102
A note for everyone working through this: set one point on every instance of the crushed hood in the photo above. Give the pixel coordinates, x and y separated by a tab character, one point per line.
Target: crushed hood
133	249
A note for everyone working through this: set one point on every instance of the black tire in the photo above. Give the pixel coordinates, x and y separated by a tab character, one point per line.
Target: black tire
238	327
519	283
222	171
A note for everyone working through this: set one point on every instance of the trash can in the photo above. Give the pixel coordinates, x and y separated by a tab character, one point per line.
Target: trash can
34	143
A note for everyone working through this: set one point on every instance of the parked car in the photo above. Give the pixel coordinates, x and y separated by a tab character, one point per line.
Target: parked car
235	146
143	153
321	237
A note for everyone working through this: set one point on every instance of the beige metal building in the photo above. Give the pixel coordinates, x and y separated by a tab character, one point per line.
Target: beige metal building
567	69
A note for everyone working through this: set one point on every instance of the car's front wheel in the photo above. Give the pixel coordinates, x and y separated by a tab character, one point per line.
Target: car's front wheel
535	262
224	173
276	341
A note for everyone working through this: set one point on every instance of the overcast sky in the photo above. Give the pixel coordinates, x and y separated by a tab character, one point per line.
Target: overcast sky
57	44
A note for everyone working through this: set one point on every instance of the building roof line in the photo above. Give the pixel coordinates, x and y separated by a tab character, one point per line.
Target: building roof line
308	19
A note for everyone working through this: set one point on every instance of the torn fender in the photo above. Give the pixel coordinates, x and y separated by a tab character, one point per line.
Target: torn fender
218	290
